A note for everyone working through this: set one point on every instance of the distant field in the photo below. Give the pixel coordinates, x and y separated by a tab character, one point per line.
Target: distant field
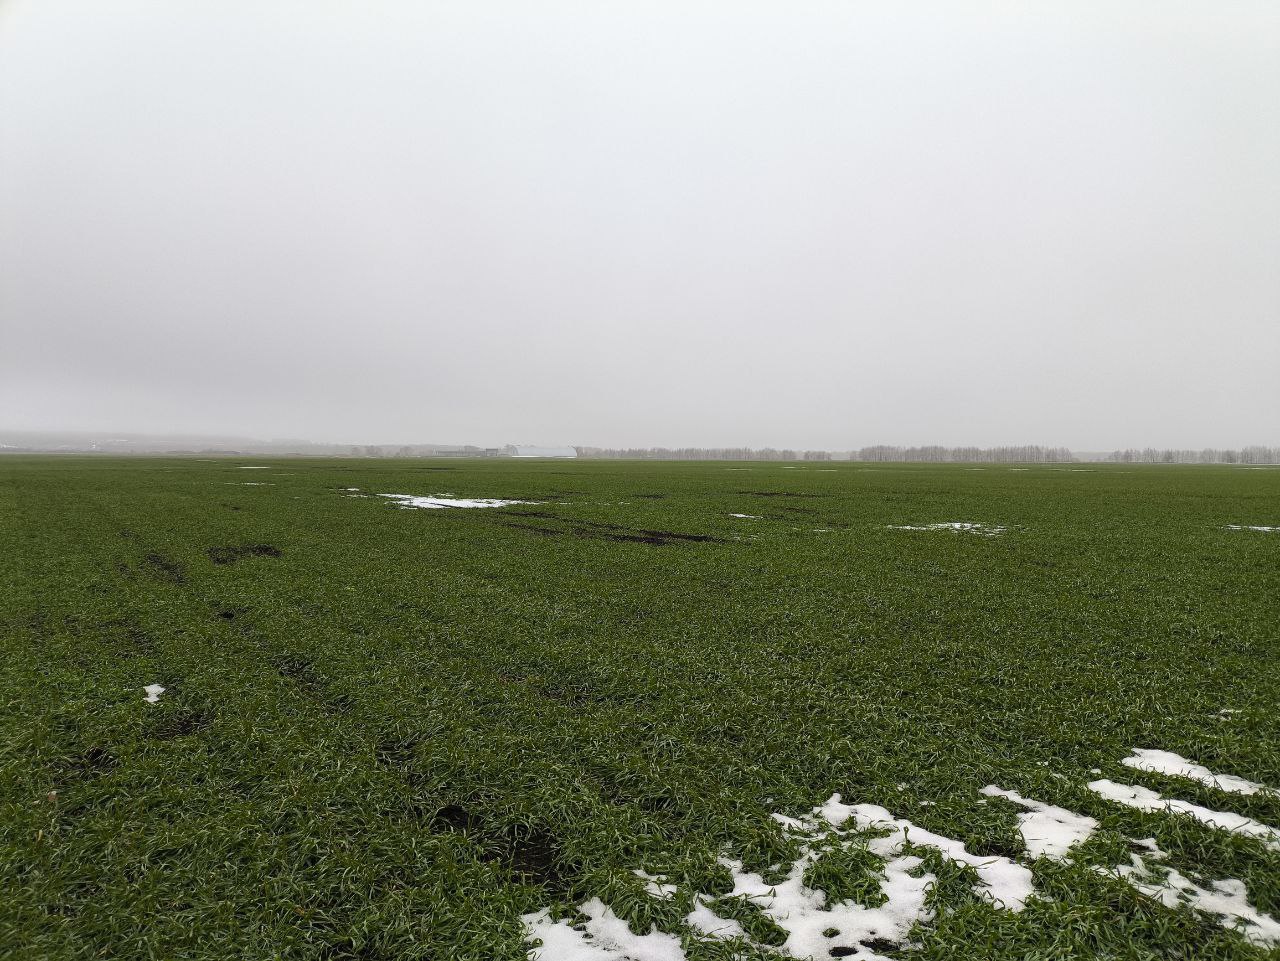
400	733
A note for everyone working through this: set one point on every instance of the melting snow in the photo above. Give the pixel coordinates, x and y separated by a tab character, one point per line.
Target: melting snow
606	937
411	501
801	911
1145	799
706	922
1166	762
1226	899
1047	830
815	928
656	885
1007	884
986	530
153	693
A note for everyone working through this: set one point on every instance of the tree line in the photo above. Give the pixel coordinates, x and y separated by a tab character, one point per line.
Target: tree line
1149	455
701	453
936	454
1016	454
1023	454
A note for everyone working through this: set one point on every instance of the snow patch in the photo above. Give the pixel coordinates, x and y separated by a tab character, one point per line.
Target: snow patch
605	937
1225	899
1144	799
970	527
1006	884
409	501
803	912
1251	527
709	924
1047	830
754	517
656	885
1166	762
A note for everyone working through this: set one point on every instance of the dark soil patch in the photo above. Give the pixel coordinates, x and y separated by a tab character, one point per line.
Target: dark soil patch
164	724
779	494
535	855
533	529
397	751
165	568
226	612
88	765
300	669
454	817
621	538
306	675
880	945
997	847
641	535
229	555
677	536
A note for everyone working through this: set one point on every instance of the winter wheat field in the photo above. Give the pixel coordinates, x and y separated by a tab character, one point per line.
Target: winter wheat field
610	711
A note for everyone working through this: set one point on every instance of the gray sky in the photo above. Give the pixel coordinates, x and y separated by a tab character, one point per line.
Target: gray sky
799	224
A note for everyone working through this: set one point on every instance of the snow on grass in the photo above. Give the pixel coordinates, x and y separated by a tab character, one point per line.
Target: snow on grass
969	527
709	924
804	913
604	937
1144	799
753	517
814	926
1047	830
1005	883
254	467
656	885
817	928
1166	762
410	501
1226	900
1252	527
153	693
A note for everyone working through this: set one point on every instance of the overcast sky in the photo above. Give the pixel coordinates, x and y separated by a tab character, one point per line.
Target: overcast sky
796	224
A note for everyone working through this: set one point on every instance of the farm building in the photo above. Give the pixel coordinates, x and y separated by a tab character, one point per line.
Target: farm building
519	450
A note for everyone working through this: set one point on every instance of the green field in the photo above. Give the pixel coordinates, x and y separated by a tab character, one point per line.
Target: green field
392	733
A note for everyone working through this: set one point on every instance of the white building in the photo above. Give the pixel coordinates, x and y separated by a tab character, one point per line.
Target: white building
521	450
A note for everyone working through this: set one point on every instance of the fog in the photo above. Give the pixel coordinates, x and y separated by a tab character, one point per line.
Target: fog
805	225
